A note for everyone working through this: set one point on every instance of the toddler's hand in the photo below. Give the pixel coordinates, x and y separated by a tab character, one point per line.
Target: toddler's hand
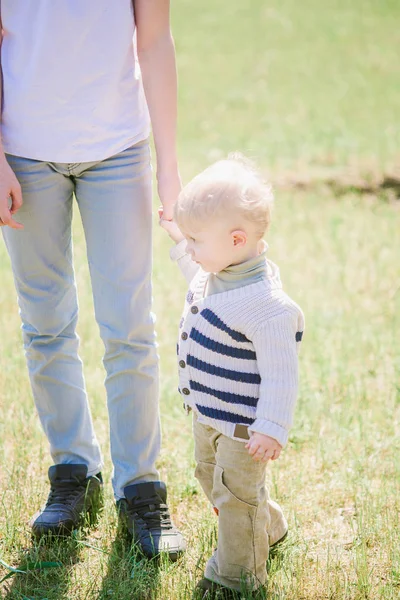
263	447
171	228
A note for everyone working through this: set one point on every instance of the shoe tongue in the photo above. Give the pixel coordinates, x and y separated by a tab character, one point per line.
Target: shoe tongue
149	493
76	473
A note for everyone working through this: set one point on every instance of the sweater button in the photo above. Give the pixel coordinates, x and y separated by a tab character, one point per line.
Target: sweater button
194	310
182	364
184	335
185	391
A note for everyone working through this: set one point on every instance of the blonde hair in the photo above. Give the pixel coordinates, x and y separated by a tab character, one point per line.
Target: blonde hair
228	187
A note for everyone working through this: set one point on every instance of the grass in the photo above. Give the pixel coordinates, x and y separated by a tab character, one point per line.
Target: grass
298	86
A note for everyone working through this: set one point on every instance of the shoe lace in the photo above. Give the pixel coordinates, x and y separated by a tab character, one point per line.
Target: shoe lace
154	516
64	492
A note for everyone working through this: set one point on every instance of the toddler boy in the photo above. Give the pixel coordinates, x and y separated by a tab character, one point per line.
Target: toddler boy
237	356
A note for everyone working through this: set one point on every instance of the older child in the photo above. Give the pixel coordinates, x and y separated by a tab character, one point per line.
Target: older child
237	356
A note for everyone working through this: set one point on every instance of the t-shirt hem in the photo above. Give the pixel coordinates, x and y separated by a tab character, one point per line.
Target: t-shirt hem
86	157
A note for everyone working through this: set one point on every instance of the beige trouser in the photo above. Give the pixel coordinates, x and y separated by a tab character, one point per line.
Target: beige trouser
248	521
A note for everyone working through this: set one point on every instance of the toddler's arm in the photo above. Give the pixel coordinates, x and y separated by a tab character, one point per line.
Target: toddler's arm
276	347
178	253
173	230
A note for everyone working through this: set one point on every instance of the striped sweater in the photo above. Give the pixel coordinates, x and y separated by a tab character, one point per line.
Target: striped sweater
237	353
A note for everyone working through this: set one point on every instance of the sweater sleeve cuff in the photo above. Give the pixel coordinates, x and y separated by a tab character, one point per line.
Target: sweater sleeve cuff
178	251
280	434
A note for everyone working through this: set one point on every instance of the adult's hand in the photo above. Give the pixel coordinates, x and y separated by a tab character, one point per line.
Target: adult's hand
10	196
169	186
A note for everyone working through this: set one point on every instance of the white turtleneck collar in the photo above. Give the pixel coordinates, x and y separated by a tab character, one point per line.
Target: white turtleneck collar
250	271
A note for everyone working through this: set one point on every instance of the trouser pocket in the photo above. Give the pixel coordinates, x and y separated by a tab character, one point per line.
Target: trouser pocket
242	536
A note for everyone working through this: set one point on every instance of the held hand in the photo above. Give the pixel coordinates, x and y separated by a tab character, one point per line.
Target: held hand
263	447
170	227
169	186
10	196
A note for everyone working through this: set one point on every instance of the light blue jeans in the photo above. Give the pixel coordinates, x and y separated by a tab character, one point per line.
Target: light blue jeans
114	199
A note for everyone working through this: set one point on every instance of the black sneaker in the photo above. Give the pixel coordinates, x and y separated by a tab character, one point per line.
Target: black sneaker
145	513
72	495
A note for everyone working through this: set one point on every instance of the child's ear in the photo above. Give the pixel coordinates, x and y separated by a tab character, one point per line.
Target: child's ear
239	238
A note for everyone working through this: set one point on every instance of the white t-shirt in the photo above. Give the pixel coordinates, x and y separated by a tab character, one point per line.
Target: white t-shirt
71	81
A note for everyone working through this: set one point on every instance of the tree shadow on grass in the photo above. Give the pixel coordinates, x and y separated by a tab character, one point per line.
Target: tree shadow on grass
45	571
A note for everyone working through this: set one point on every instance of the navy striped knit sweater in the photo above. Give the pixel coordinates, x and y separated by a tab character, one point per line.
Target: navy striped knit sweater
237	353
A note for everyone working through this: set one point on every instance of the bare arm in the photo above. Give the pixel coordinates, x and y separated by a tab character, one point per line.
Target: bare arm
9	186
156	54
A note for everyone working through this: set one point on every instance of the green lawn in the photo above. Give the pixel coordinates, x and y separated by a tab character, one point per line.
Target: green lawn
302	88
